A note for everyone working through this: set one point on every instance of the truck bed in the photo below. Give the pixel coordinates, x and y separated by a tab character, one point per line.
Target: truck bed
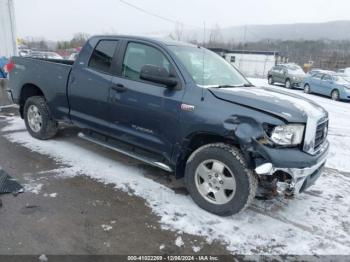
49	74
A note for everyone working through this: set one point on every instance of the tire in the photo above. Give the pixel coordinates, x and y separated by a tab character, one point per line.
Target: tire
335	95
288	84
270	80
38	119
229	159
307	89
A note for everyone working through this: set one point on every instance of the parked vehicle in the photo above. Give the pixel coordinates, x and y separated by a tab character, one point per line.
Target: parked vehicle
45	55
336	86
291	75
73	56
317	70
24	52
149	99
345	71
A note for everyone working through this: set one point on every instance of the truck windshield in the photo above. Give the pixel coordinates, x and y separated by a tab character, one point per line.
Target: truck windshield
209	69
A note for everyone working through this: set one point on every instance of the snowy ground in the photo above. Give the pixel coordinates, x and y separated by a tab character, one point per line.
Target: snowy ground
317	222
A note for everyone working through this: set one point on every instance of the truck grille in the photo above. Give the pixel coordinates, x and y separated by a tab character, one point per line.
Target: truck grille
321	134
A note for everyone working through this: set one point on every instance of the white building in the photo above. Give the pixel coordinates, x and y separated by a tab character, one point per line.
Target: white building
252	63
8	45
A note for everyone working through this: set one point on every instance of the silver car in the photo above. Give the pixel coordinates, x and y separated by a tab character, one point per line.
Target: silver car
291	75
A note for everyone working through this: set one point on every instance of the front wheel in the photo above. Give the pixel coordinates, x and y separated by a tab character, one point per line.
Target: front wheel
218	180
270	80
307	89
38	119
288	84
335	95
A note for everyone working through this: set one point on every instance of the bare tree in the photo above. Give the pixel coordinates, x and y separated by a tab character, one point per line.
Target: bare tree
79	39
179	31
215	35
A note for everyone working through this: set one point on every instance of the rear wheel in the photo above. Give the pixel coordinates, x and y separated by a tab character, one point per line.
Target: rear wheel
307	89
335	95
270	80
288	84
218	180
38	119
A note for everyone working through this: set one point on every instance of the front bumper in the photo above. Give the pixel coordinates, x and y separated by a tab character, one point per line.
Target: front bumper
300	178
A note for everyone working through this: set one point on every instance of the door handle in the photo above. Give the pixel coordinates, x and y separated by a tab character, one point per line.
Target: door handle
119	88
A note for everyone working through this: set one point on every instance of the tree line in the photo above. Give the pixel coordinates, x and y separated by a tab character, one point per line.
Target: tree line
326	54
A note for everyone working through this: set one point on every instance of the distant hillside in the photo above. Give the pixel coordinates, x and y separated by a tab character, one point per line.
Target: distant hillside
336	30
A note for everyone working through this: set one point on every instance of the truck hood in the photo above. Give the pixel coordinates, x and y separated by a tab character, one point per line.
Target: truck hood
290	107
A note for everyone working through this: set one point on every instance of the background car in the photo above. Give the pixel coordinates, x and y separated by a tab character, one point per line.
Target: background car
333	85
73	56
291	75
46	55
319	70
345	71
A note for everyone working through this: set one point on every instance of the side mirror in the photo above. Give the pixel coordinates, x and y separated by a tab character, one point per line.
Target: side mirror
157	74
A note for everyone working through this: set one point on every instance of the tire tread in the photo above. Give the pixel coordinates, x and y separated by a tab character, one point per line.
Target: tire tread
236	153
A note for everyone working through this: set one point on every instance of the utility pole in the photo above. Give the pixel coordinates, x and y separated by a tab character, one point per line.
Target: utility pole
8	43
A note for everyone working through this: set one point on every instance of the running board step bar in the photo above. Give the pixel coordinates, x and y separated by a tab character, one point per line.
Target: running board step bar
129	153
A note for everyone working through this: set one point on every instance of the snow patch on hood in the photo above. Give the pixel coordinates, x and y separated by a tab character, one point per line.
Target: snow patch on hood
307	107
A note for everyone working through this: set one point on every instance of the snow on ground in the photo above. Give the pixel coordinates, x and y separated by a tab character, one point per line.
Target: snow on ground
179	242
15	124
106	227
339	125
316	222
33	187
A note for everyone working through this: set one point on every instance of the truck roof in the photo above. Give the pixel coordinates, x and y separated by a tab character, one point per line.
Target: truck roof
156	40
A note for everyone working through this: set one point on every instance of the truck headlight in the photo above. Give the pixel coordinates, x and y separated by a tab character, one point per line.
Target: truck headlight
288	135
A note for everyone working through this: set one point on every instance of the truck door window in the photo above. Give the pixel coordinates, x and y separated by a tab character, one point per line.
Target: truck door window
102	56
138	55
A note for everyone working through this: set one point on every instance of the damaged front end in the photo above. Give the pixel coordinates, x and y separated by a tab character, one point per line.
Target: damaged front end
288	169
289	180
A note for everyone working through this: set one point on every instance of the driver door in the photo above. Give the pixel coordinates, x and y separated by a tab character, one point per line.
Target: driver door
139	110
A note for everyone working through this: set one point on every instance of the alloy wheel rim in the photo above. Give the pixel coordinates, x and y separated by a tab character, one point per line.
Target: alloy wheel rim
335	95
288	84
215	182
307	89
34	117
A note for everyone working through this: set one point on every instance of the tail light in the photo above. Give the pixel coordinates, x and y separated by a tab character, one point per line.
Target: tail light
9	67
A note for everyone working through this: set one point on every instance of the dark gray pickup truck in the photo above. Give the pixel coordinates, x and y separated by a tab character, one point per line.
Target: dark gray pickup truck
183	109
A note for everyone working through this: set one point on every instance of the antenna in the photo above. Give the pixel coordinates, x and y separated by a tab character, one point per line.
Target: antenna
203	53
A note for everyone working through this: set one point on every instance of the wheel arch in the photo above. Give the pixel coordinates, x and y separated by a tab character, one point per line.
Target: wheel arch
196	140
335	89
28	90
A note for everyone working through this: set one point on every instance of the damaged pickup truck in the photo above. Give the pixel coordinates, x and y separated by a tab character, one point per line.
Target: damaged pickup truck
183	109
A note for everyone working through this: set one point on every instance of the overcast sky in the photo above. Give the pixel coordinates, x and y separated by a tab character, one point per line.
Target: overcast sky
60	19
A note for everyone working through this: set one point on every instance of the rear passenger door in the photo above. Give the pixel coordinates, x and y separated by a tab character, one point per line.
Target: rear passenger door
326	85
275	73
279	74
315	83
142	113
89	87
